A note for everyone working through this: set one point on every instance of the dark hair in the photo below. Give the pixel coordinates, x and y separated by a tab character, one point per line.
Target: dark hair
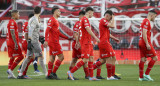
54	9
108	12
30	15
153	11
89	9
82	12
37	10
14	11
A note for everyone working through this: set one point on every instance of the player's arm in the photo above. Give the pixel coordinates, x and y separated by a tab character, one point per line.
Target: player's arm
14	38
114	38
144	33
47	36
32	24
92	34
111	23
65	37
76	37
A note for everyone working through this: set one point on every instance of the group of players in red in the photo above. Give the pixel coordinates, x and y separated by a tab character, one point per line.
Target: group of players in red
82	46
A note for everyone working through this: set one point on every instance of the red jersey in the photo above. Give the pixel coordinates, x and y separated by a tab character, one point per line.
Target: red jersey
12	25
76	27
86	37
52	32
145	25
104	31
25	28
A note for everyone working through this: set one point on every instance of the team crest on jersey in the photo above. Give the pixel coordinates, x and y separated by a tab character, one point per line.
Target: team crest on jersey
104	20
85	20
49	20
76	25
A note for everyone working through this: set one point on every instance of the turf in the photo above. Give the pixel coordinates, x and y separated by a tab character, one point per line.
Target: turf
129	75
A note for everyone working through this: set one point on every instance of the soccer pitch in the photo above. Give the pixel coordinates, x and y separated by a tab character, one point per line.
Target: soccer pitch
129	75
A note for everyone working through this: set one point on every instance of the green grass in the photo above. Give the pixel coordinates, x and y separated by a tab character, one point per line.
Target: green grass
129	75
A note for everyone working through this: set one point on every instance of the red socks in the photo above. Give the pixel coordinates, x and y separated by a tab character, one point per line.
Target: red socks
141	67
86	71
78	65
10	62
25	71
56	66
150	65
90	66
50	67
113	70
97	64
70	68
98	72
109	70
16	62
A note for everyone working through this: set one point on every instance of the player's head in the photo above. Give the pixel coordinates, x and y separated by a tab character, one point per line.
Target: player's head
89	11
108	15
152	14
30	15
37	10
15	14
81	14
56	11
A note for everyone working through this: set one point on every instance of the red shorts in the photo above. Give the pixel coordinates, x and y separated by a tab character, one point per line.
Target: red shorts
55	49
14	53
76	53
24	46
106	50
146	53
86	50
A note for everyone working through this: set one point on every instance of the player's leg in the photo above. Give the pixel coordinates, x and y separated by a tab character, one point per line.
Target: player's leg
24	65
57	65
86	70
150	65
38	53
25	71
50	66
99	63
113	67
141	68
98	76
35	65
78	65
90	66
11	60
109	68
73	62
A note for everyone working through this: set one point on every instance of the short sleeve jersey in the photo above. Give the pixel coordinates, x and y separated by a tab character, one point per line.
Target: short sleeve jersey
76	27
145	25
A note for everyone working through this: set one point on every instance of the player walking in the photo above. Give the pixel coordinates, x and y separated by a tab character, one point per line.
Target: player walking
33	43
86	45
52	35
14	49
107	53
76	48
146	48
